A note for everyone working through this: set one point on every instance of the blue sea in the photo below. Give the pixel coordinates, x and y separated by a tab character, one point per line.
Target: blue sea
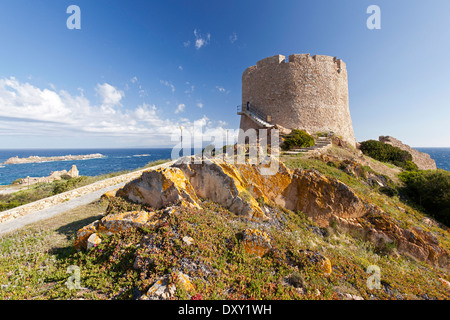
114	160
440	155
117	160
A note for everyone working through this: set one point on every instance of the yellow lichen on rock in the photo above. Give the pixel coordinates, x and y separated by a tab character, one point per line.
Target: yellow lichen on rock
160	188
165	289
110	194
318	260
83	235
185	282
93	240
221	182
256	242
267	187
325	266
118	222
111	224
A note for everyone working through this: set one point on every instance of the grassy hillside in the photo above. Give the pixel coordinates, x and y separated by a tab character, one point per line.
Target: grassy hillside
305	261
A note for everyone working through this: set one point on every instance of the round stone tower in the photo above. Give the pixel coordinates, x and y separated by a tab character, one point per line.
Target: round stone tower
308	93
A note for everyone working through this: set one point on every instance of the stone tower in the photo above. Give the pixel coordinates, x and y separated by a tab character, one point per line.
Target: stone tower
308	93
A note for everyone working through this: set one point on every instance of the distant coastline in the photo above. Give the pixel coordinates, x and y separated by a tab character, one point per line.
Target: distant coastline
36	159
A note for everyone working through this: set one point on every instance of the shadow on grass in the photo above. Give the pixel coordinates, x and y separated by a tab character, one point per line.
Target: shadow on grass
70	231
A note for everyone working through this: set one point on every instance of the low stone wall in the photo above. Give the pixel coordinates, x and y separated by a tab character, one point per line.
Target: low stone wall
72	194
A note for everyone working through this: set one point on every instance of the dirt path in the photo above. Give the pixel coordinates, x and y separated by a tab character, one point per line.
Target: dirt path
11	189
17	223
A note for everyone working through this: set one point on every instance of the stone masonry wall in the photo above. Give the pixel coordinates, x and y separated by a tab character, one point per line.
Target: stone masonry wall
308	92
72	194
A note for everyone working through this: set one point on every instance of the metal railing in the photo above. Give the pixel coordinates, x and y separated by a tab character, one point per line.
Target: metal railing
251	109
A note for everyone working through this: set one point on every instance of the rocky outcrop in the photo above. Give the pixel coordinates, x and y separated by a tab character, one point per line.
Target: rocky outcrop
378	227
55	175
421	159
160	188
245	189
322	198
222	183
256	242
110	224
165	287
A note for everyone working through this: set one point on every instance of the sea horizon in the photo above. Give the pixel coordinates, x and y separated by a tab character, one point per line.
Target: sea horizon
118	159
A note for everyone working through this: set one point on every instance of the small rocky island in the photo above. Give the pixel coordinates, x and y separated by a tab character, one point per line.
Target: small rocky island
34	159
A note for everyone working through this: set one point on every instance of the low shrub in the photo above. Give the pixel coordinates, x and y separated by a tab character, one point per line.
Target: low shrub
297	139
386	153
389	191
429	189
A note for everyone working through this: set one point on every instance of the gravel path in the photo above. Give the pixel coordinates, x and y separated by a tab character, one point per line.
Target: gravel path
75	201
17	223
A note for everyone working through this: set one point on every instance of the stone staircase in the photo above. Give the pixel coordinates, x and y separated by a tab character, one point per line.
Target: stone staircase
263	121
321	143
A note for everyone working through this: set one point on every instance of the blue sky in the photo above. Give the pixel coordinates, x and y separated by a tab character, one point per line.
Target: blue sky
137	70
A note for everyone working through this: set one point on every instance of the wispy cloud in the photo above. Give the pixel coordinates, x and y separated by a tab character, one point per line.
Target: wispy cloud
200	40
233	38
168	84
222	89
180	108
180	68
190	88
200	105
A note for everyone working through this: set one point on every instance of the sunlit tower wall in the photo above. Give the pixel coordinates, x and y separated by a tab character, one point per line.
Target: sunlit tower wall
306	92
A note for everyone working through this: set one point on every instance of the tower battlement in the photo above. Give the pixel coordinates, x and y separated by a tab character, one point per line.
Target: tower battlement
297	59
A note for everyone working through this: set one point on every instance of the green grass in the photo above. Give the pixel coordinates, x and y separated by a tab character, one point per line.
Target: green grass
44	190
216	261
30	257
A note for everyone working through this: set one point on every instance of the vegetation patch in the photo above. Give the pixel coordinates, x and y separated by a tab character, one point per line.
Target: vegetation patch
297	139
387	153
429	189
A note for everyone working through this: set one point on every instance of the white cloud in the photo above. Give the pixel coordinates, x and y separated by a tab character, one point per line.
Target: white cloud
134	79
200	105
168	84
200	40
110	95
233	38
180	68
180	108
221	89
186	44
24	100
